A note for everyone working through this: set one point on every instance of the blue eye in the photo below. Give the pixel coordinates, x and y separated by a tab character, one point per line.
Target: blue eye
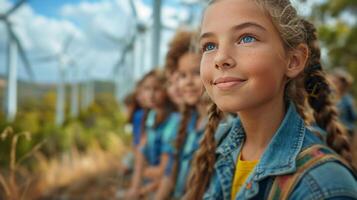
247	39
208	47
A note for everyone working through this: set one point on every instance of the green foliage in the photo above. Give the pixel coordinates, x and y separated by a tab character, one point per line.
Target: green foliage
337	29
93	126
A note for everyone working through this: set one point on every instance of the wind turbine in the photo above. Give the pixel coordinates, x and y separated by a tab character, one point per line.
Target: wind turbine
13	49
74	90
140	44
87	89
126	50
63	60
156	33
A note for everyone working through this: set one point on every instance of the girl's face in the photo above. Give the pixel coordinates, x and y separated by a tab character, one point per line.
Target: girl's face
147	92
189	82
243	62
173	89
160	97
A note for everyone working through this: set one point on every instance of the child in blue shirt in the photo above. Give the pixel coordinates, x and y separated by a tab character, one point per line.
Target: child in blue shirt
346	108
183	59
152	159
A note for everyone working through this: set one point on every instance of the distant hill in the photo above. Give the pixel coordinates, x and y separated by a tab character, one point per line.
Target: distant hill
28	90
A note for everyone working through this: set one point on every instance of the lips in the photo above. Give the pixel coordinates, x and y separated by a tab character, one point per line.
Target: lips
226	83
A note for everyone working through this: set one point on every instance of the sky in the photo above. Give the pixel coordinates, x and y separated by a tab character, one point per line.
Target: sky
44	26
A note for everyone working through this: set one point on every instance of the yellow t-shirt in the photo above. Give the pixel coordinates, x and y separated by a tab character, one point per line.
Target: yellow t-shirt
243	169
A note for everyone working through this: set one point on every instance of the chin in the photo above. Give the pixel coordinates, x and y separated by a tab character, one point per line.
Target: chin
230	106
192	102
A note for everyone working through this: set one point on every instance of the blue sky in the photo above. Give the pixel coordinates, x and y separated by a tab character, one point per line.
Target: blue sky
42	27
50	8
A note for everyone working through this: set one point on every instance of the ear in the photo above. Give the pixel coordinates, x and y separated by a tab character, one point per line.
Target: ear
297	60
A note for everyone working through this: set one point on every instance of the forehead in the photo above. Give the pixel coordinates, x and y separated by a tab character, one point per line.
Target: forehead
224	14
149	80
188	61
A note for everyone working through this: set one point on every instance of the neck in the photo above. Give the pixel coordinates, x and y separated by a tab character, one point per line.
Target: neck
160	114
202	112
260	124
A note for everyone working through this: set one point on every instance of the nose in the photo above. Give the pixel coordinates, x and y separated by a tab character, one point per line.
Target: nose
223	59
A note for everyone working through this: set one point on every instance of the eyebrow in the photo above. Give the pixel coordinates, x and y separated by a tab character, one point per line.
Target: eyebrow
234	28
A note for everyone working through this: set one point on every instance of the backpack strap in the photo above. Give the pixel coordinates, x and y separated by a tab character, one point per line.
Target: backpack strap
307	159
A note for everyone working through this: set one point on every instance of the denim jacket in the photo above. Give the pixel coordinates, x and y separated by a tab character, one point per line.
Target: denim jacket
156	137
347	112
186	155
330	180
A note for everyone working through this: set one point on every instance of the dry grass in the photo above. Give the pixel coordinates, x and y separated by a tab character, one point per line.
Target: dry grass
10	178
90	175
79	175
73	175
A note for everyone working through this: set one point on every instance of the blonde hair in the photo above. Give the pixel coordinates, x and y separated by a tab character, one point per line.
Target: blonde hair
309	90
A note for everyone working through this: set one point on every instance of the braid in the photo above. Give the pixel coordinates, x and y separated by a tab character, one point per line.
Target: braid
143	121
299	96
182	133
320	97
204	159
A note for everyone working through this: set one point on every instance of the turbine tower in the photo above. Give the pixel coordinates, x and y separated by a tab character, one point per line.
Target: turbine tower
13	49
63	60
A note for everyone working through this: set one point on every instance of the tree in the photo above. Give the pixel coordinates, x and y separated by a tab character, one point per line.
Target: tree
337	28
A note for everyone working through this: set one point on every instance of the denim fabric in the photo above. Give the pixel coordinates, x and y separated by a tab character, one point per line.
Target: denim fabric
156	144
347	111
186	155
169	138
137	118
330	180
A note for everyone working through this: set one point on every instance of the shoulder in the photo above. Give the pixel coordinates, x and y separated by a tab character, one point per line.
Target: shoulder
328	180
175	117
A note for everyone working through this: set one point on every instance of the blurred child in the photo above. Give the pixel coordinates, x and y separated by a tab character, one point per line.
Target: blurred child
343	81
151	161
137	105
184	60
173	90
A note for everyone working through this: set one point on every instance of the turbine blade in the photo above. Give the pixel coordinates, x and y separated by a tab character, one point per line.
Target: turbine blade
22	53
15	7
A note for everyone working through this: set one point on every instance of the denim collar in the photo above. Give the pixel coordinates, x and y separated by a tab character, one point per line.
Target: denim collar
280	156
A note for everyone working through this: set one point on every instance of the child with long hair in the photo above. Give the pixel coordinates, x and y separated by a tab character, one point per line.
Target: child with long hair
137	105
184	59
343	81
160	120
262	61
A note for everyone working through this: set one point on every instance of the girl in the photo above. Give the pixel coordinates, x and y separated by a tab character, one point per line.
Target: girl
184	60
173	90
261	61
137	105
152	158
343	81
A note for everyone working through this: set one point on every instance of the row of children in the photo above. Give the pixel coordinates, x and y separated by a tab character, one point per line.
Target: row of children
168	115
250	115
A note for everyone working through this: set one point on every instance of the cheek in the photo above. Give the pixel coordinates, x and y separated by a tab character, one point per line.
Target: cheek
266	77
263	65
198	82
206	74
180	83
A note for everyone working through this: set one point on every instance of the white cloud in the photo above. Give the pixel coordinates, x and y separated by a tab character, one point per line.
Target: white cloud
87	22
